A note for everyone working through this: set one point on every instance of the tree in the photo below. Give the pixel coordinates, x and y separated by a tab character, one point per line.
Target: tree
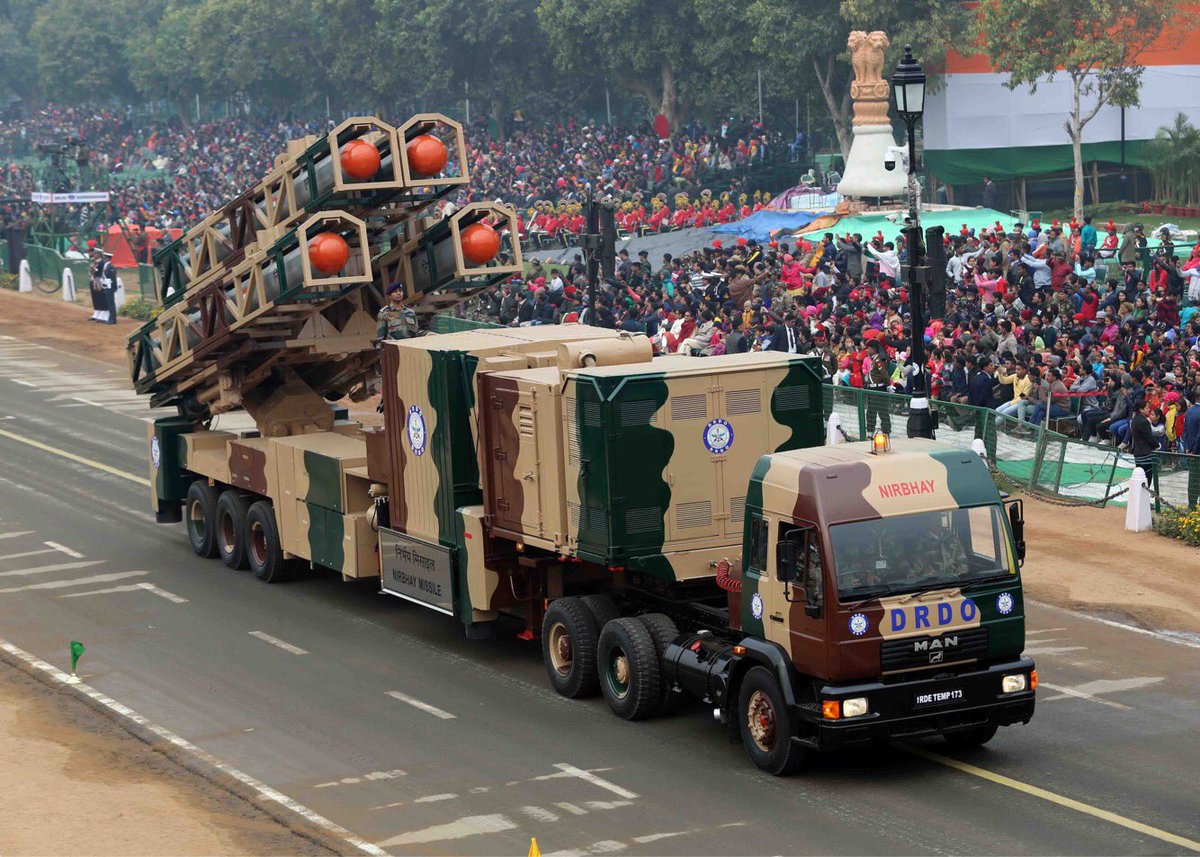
80	45
1096	43
660	49
160	64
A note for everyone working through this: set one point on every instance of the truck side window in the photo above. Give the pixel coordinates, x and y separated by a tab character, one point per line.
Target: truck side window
759	529
805	574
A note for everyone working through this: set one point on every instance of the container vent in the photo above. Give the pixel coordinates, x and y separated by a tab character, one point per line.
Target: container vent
639	412
737	510
525	420
791	398
697	514
572	443
743	402
573	513
591	414
644	519
594	518
694	407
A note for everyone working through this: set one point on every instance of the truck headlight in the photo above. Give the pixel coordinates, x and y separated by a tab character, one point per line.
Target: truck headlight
1013	683
856	707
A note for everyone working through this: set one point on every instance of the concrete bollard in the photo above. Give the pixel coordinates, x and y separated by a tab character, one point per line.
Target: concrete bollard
1137	511
119	297
68	285
24	277
833	434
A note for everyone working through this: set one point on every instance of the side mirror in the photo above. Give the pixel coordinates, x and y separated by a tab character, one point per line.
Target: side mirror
1016	520
787	561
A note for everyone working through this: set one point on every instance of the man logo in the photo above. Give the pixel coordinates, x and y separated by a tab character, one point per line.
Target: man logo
936	657
935	645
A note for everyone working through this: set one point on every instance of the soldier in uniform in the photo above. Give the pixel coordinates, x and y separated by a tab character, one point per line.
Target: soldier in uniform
108	288
395	321
95	268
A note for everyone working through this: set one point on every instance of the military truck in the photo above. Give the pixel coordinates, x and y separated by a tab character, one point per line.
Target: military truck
667	527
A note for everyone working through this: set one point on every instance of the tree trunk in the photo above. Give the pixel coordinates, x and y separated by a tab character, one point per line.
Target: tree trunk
1075	129
670	105
839	113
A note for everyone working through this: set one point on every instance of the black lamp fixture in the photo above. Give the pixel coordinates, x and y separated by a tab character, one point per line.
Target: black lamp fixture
908	87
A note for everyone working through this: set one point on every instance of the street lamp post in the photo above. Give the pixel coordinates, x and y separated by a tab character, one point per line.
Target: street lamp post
908	90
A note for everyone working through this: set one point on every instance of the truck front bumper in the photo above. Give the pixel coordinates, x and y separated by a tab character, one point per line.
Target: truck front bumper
920	707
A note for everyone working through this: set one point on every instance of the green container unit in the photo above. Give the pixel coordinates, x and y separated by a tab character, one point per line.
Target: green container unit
662	453
168	480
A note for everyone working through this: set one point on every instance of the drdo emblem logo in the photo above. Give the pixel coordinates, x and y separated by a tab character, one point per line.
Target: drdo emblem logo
756	606
416	430
858	624
155	452
718	436
1004	603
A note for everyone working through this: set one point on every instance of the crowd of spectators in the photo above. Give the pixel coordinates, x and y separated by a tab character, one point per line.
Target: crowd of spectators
168	175
1033	326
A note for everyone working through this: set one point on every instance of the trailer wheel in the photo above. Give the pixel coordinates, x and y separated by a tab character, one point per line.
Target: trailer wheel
664	632
976	736
201	516
232	509
263	551
630	676
602	608
569	648
766	726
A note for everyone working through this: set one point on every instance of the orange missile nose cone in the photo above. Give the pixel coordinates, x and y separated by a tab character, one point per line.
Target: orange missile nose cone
480	243
328	253
360	160
427	156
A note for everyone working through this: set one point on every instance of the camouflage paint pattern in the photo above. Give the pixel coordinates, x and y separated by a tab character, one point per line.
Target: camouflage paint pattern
481	575
826	486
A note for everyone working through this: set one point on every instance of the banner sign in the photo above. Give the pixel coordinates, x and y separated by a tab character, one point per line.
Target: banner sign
73	197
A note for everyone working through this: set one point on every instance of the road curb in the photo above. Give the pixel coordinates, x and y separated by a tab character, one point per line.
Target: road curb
289	818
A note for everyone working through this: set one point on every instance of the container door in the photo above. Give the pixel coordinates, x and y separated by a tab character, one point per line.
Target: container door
702	440
505	494
741	404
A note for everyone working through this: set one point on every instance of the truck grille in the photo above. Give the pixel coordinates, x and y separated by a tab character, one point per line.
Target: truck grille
930	652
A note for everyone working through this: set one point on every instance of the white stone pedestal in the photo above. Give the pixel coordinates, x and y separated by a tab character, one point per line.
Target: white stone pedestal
865	175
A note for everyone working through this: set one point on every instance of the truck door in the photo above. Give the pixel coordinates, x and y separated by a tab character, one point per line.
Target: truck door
794	596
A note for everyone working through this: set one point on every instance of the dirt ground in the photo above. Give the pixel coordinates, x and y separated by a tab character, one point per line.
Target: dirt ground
77	783
1079	557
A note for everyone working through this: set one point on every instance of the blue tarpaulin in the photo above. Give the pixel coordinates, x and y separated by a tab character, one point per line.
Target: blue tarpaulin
761	224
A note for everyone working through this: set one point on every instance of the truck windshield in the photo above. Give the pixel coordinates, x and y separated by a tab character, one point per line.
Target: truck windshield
925	550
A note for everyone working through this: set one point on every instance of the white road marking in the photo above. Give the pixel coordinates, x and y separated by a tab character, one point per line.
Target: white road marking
538	813
436	798
264	791
65	550
43	569
275	641
14	535
424	706
22	383
1053	650
76	581
374	776
1166	637
571	808
1092	690
1029	633
471	825
112	590
162	593
607	804
599	782
26	553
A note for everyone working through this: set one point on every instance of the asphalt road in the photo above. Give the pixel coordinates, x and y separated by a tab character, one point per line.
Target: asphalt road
380	716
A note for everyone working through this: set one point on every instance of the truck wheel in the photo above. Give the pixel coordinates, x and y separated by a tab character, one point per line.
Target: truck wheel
663	630
602	608
630	676
200	513
766	725
263	551
569	648
976	736
232	510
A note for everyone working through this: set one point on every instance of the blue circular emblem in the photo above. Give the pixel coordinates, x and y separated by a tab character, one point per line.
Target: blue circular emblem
416	430
756	606
859	624
1004	603
718	436
155	452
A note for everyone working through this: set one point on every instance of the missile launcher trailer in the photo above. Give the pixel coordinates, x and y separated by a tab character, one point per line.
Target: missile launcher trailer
666	527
